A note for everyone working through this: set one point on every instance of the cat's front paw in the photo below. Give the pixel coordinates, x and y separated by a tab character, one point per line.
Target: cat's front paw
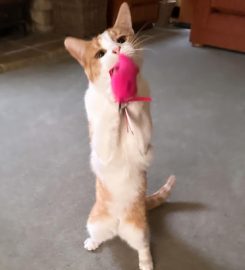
146	265
90	244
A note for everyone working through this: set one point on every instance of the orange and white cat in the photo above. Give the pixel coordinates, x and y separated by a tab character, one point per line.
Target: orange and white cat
119	158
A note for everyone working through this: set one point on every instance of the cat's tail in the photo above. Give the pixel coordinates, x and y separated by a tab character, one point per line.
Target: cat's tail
159	197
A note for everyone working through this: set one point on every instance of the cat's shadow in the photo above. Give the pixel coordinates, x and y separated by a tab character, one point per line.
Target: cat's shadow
168	250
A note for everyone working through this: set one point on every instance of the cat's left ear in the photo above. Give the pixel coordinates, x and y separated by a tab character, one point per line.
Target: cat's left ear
76	47
124	19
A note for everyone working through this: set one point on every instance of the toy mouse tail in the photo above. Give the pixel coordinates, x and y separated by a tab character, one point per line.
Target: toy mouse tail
159	197
144	99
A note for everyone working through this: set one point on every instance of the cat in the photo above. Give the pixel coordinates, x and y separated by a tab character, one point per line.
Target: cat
119	158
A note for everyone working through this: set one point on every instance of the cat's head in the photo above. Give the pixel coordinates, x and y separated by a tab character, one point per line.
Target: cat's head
100	54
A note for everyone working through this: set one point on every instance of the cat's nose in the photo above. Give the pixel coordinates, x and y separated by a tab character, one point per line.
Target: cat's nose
116	50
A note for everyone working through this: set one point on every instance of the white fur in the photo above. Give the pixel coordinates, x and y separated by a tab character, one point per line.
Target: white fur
118	157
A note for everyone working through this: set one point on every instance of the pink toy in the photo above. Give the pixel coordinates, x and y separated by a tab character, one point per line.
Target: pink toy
123	80
124	84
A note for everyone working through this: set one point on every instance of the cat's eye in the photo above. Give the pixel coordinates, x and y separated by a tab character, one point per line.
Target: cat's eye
121	39
100	54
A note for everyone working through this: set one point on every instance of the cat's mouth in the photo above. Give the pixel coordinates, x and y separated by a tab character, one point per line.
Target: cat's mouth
113	69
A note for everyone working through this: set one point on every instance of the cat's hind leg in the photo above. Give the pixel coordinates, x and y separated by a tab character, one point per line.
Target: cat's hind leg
134	230
101	227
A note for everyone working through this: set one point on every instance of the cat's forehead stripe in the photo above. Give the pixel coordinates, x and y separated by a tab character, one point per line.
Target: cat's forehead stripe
113	32
105	39
95	43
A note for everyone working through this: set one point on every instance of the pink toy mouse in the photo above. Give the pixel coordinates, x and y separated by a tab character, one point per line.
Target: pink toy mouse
124	84
124	80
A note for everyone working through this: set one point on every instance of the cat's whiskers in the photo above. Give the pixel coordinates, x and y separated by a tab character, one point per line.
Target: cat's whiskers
143	40
145	49
138	42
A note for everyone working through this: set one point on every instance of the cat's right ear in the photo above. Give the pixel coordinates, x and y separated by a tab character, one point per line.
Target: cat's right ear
124	19
76	47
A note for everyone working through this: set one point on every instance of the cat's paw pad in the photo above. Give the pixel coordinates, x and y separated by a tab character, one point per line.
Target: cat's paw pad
146	265
90	244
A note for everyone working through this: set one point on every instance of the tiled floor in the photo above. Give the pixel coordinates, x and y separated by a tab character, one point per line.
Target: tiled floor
32	49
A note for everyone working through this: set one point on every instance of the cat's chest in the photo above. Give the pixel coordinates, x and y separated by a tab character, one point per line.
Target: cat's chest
117	143
111	118
94	102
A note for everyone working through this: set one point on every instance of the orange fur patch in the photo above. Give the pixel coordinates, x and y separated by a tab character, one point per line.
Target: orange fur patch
116	32
136	214
100	208
161	195
91	64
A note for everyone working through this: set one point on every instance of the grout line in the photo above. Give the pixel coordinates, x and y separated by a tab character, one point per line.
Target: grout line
38	54
32	47
42	58
14	51
44	43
